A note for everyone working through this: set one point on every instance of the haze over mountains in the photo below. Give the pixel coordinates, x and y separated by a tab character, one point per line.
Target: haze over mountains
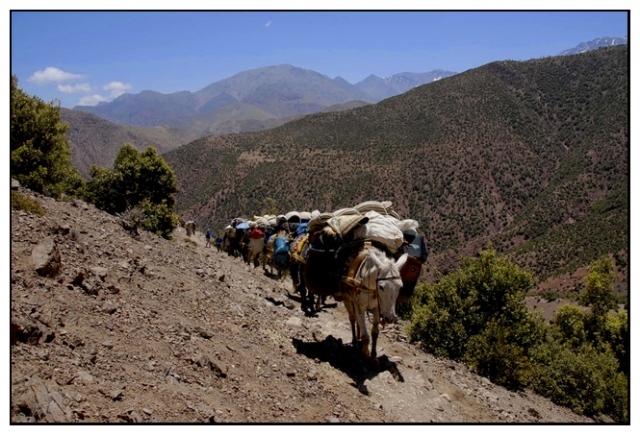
530	155
240	103
96	141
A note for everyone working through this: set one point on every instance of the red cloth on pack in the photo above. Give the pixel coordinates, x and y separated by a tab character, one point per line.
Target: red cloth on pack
256	233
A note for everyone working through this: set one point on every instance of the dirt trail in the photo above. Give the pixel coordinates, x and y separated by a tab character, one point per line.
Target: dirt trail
140	329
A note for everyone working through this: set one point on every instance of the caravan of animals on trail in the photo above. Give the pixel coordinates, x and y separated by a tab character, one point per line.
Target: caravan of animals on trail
367	256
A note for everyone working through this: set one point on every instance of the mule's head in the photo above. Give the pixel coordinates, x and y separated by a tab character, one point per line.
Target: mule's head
389	284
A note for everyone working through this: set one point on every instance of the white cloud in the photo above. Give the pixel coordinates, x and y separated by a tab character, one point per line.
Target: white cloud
52	75
92	100
81	87
117	88
268	23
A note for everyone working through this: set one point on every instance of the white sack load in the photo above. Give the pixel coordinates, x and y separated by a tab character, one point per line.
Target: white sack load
263	223
305	216
347	212
382	229
383	207
319	222
292	216
266	217
407	224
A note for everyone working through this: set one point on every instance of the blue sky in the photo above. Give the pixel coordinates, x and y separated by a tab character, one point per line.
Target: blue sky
87	57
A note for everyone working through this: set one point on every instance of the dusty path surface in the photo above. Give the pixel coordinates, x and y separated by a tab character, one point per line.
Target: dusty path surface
140	329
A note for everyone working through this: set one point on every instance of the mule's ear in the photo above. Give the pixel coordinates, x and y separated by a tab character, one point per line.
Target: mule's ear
400	262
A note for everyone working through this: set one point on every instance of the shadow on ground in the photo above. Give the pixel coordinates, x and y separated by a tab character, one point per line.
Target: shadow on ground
347	359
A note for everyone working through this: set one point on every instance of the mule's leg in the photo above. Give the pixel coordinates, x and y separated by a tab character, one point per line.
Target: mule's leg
294	276
303	299
307	299
307	296
319	303
298	285
375	330
348	304
364	334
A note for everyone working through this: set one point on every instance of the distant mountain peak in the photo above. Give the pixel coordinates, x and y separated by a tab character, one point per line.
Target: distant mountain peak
339	79
390	86
605	41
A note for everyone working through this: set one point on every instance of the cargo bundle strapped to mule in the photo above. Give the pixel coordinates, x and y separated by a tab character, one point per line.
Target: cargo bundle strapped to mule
329	260
321	273
281	252
336	236
298	251
348	282
416	249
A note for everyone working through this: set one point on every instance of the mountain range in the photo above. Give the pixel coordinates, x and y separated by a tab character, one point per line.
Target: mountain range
597	43
532	156
267	96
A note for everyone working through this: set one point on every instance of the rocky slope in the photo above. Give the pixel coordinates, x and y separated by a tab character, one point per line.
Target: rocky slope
110	327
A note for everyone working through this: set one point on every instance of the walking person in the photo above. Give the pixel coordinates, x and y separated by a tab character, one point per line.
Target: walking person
208	238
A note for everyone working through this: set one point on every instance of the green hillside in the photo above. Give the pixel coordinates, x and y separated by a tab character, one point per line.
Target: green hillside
533	156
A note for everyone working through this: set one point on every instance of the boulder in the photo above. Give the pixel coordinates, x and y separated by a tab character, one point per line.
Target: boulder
218	367
29	332
43	404
46	258
100	272
62	228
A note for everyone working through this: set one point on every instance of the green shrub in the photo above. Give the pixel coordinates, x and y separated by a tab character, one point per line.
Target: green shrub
40	155
143	180
159	218
477	315
496	354
586	379
598	293
569	322
437	320
616	335
21	202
